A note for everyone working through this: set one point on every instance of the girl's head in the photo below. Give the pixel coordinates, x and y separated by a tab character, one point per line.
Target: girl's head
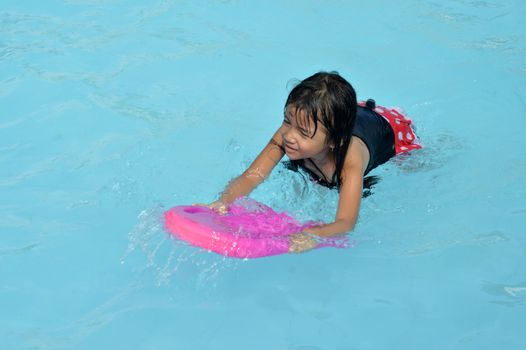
326	101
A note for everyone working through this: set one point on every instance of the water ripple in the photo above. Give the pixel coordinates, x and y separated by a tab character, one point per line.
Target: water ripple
35	169
18	250
509	294
505	43
90	78
480	4
480	240
126	105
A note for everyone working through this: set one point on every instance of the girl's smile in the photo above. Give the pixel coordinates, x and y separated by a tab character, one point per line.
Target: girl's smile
289	148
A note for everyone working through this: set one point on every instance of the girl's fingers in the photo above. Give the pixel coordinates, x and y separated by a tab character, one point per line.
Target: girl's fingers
301	242
219	207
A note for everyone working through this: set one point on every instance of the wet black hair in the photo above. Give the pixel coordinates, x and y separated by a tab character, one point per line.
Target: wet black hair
330	99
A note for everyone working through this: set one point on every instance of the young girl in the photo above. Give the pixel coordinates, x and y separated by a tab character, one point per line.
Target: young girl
333	138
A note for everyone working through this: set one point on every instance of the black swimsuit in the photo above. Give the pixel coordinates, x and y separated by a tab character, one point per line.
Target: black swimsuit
374	131
377	135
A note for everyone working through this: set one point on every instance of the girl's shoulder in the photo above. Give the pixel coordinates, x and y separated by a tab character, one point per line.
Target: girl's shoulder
357	155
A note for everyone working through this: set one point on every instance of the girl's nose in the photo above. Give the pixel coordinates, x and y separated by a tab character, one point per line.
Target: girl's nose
288	136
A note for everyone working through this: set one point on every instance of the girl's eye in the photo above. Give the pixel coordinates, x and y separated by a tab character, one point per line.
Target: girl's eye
303	133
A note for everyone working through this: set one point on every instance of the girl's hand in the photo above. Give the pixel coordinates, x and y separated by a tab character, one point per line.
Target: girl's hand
300	242
217	206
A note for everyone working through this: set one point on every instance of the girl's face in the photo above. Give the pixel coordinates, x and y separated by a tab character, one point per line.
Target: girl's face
299	138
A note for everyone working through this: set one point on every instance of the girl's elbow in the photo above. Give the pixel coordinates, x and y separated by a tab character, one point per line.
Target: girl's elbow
348	225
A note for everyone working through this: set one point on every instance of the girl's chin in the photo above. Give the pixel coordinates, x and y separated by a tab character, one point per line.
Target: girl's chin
294	156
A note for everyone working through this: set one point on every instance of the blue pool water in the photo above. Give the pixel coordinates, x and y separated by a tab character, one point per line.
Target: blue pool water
113	111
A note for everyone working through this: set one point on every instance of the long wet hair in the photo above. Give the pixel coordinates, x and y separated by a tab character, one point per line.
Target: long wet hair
330	99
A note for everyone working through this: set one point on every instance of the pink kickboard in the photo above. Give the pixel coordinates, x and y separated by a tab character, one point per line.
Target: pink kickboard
249	229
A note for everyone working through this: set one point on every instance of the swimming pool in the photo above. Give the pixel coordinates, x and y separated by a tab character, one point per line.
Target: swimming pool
114	111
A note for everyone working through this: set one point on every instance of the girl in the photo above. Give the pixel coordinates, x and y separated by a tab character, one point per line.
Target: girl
333	138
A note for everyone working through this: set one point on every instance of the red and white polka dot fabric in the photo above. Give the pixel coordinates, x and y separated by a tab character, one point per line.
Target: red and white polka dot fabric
405	138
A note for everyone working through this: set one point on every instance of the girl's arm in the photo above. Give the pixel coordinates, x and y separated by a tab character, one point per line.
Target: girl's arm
350	195
258	171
